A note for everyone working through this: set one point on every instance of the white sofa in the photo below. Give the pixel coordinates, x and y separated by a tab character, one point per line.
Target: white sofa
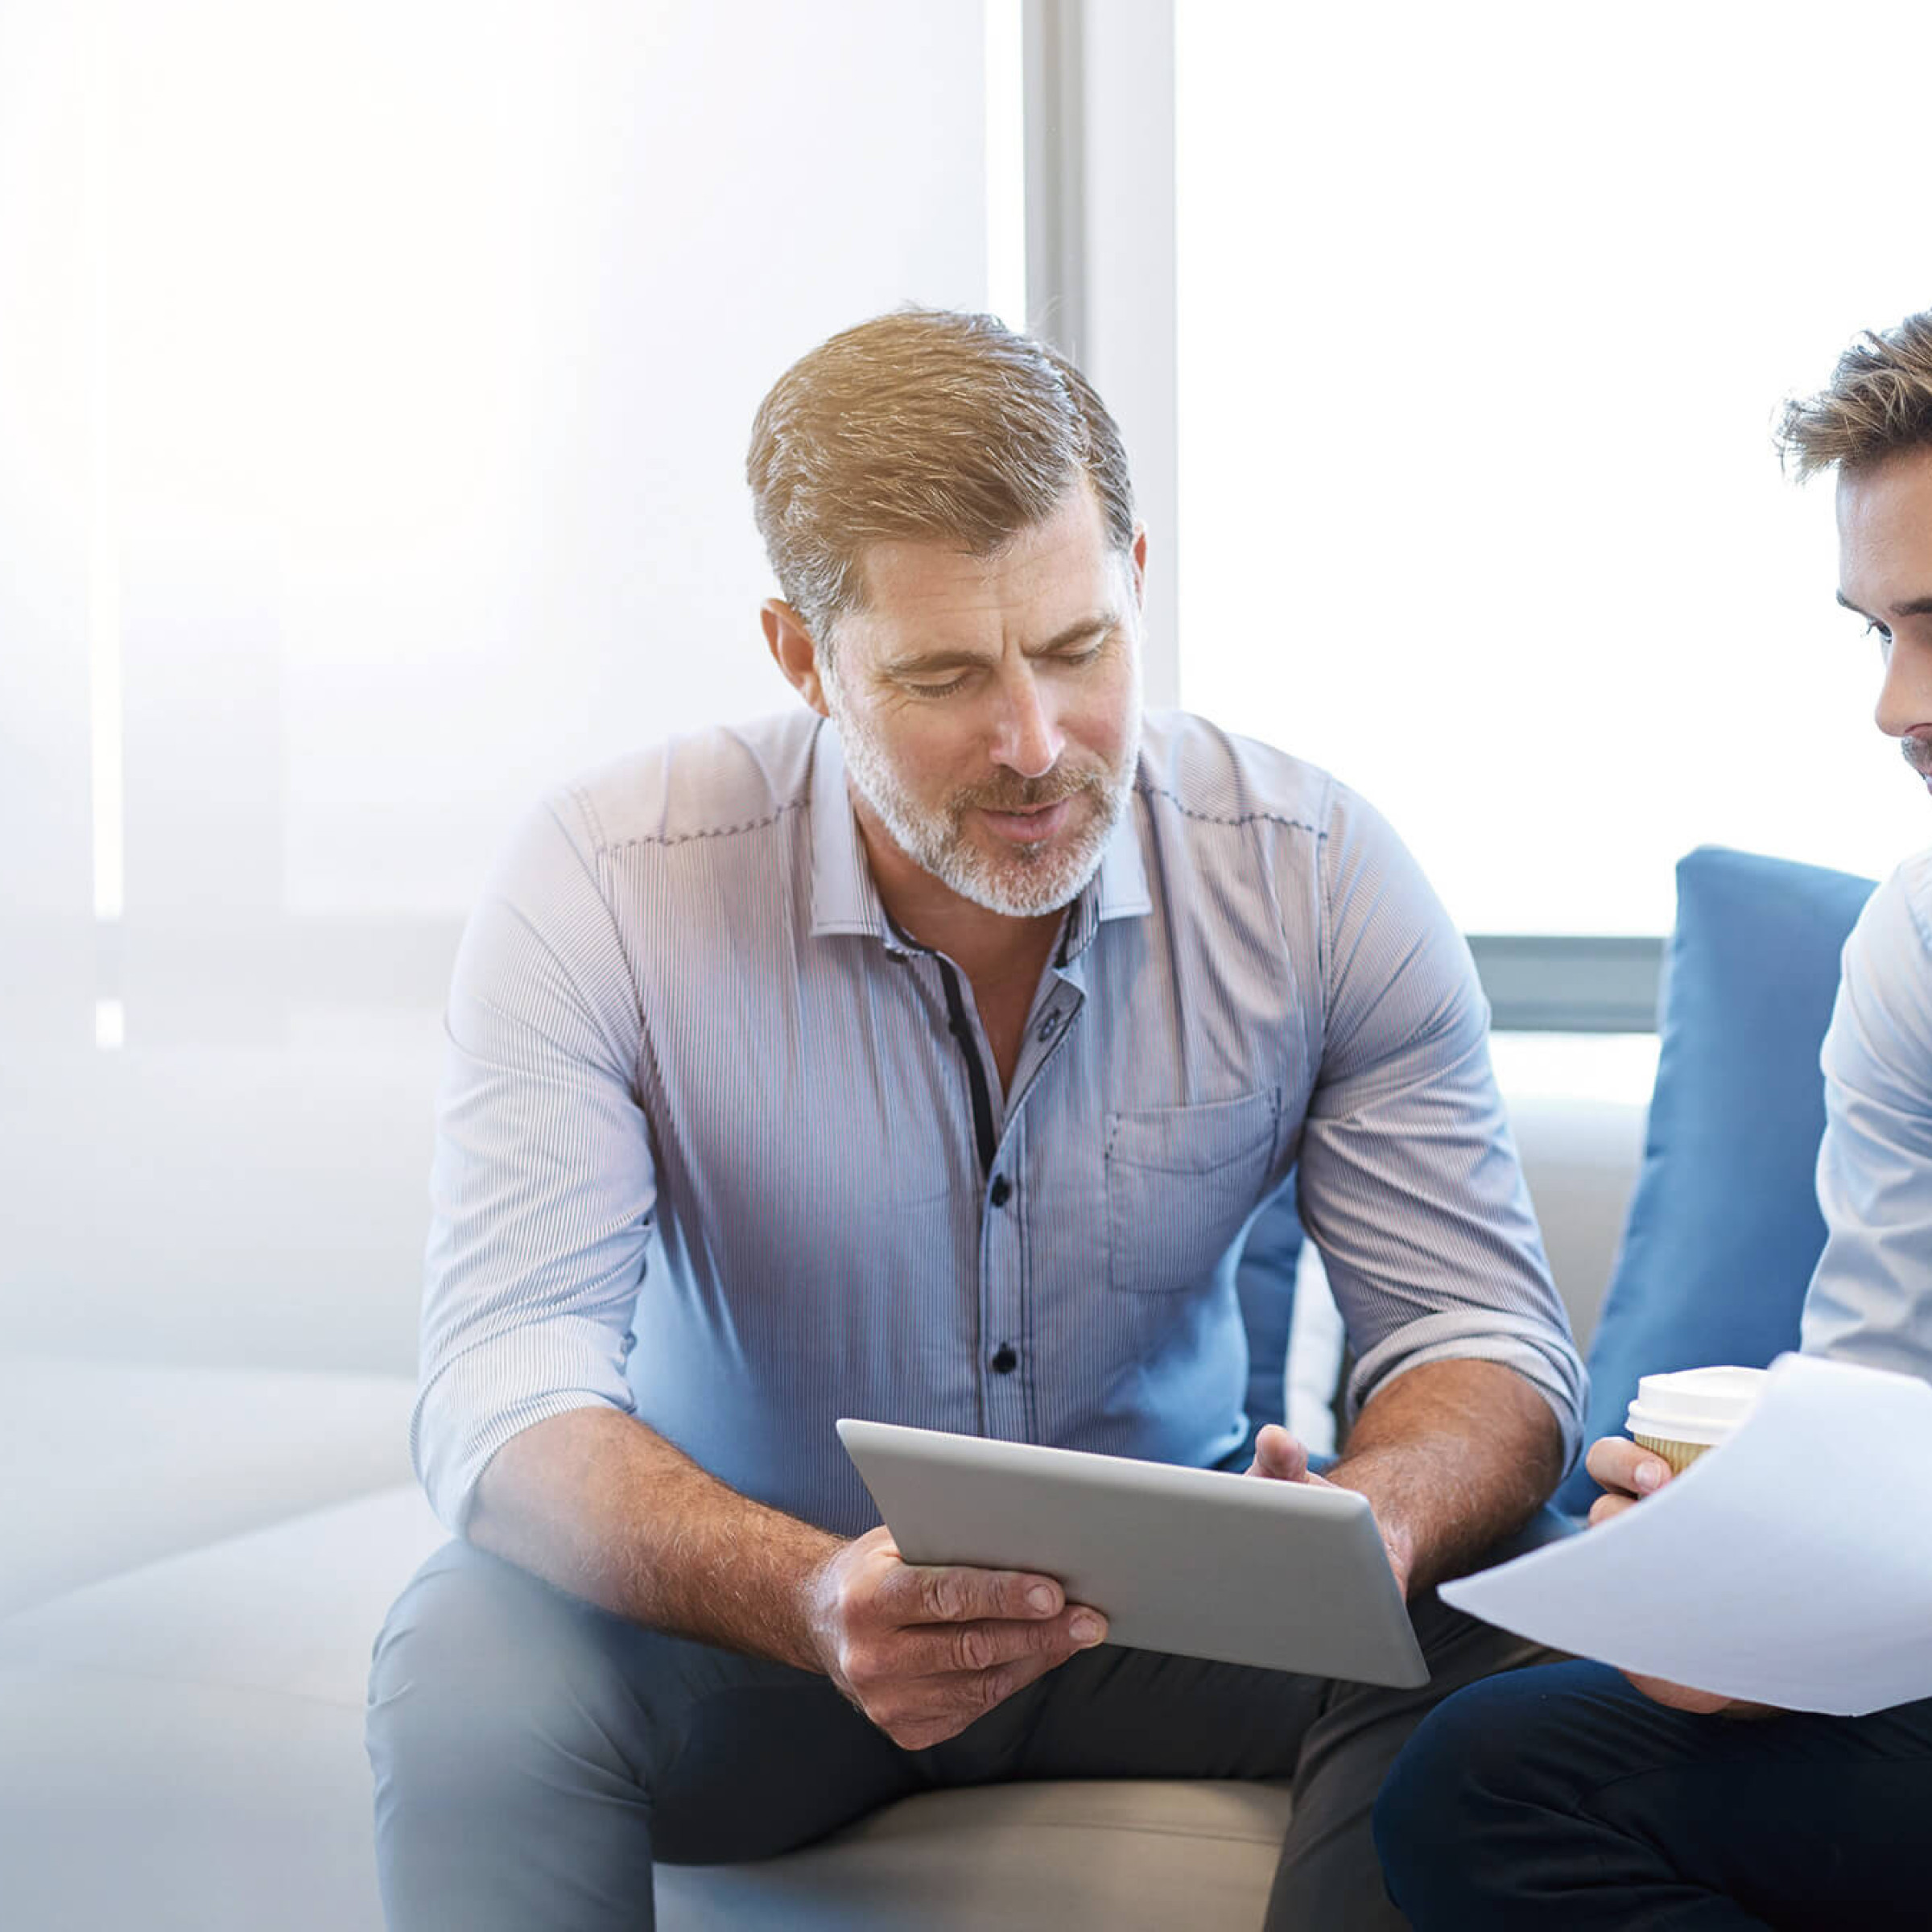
197	1557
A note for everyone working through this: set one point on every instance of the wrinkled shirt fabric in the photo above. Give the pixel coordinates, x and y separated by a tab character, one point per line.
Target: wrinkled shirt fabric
707	1151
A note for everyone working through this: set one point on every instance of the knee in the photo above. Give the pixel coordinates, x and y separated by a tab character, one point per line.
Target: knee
1476	1767
1419	1813
478	1667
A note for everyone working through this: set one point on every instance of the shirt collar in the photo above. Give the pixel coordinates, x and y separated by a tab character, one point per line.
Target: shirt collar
843	898
1118	890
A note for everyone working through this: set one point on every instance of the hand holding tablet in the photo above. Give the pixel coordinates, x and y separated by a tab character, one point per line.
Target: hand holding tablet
1290	1575
1281	1458
924	1650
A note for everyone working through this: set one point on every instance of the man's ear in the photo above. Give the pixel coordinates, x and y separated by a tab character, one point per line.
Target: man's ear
1137	553
794	652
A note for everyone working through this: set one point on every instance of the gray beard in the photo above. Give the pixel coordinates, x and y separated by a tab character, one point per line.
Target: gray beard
1021	885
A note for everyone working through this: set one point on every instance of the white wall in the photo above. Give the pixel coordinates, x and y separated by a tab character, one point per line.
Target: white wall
374	384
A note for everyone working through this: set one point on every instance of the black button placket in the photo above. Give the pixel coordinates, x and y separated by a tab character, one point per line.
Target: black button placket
1005	1279
1007	1397
1004	1407
961	1028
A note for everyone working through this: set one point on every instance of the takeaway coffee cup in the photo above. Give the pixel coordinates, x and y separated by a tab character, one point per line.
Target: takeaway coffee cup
1679	1416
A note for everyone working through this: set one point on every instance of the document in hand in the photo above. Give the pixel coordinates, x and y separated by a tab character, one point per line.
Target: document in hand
1791	1566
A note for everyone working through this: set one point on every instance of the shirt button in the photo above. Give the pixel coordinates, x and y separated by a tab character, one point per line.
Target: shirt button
1002	1189
1048	1027
1004	1361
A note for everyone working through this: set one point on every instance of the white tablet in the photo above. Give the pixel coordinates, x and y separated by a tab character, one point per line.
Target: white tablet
1198	1562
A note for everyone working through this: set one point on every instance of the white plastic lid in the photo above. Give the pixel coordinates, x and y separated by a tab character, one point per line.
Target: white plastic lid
1701	1405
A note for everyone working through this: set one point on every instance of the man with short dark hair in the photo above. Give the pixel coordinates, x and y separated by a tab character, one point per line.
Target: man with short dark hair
936	1045
1572	1796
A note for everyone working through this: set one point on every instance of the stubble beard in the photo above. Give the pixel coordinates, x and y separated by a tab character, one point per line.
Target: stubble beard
1021	882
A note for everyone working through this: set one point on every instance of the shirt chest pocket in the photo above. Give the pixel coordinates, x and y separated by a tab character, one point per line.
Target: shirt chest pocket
1180	1183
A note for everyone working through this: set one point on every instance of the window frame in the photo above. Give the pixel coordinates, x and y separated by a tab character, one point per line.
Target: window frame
1100	273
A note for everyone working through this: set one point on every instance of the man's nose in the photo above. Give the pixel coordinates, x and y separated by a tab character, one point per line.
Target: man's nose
1027	737
1904	699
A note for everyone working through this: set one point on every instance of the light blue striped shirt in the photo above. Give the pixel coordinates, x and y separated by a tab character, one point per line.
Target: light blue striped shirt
707	1150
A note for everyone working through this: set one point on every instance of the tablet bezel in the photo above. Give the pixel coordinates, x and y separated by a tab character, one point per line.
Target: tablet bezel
1200	1562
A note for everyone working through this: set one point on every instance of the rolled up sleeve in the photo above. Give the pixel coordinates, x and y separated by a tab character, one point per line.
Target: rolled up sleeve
542	1185
1410	1185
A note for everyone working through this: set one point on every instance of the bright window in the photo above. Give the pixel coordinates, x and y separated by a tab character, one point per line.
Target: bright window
1485	313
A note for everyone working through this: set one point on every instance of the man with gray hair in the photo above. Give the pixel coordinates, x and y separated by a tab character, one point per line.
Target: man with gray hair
926	1054
1571	1795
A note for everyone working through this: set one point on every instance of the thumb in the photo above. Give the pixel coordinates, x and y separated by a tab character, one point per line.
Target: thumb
1279	1455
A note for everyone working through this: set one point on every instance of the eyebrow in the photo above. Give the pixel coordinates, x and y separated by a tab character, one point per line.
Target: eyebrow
950	660
1913	607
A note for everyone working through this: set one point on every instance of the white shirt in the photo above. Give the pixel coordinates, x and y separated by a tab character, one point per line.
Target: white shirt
1870	1298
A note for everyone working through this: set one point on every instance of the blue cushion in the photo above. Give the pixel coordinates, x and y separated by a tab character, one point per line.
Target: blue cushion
1723	1230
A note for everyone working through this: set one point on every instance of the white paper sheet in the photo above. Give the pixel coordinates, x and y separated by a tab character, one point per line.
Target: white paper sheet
1793	1567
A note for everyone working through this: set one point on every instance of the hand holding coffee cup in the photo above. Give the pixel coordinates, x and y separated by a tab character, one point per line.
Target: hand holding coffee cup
1681	1417
1676	1419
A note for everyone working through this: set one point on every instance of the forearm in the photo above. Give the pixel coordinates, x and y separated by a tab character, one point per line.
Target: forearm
597	1503
1455	1455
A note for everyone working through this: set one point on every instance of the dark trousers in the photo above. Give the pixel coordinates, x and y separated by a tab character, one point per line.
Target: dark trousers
533	1755
1563	1797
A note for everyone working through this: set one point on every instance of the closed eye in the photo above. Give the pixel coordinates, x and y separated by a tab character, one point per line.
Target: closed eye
1074	657
944	687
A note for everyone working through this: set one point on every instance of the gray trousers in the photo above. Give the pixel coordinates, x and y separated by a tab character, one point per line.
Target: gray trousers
533	1755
